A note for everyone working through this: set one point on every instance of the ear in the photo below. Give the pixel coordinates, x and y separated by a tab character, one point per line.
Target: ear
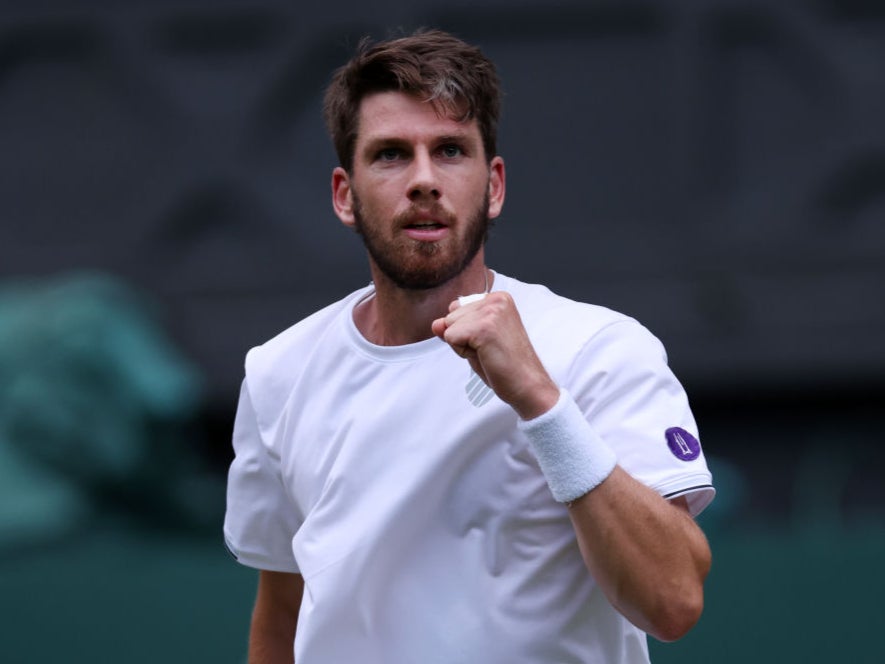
497	186
342	196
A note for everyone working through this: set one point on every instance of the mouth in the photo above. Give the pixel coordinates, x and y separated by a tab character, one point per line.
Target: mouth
426	230
426	225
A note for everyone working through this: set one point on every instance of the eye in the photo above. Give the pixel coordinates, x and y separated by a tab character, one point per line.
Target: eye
389	154
451	150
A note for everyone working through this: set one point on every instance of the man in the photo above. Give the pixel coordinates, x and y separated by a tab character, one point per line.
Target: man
424	477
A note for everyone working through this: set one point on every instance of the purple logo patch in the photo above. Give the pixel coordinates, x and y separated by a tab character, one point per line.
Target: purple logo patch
682	444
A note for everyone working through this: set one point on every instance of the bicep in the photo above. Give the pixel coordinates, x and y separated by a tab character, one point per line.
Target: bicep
681	502
275	617
279	593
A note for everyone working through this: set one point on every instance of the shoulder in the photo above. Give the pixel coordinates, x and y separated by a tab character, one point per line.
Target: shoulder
549	314
563	329
272	367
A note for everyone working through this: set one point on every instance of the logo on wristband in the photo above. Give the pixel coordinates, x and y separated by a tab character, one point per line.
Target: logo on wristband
682	444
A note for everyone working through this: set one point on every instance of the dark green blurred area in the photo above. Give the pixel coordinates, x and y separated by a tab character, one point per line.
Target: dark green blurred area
98	408
110	545
120	593
110	509
123	594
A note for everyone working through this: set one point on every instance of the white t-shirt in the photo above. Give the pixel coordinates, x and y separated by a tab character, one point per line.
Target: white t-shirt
398	485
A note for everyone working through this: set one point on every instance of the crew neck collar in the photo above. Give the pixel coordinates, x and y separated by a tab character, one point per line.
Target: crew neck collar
399	353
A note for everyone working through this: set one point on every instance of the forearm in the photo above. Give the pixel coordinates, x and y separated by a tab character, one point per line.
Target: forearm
648	556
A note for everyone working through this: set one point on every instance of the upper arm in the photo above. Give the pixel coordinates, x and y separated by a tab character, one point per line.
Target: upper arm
260	519
275	617
279	592
681	502
622	383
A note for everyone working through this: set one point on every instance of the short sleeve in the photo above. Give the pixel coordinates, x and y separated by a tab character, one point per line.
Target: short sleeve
632	399
260	520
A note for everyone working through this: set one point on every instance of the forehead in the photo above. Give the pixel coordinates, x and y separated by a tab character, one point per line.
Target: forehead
397	115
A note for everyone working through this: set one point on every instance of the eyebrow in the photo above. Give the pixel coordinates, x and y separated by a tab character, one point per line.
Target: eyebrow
382	141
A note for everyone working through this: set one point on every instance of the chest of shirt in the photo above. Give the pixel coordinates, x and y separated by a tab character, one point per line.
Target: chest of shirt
352	423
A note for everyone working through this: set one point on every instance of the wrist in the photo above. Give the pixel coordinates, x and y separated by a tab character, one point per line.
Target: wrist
572	456
537	401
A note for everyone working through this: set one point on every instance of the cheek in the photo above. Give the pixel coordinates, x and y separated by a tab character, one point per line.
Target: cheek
382	195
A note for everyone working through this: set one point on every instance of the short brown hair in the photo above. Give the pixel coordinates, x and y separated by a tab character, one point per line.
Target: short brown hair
457	78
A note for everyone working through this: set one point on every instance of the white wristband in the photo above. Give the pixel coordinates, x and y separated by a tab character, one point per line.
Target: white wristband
573	458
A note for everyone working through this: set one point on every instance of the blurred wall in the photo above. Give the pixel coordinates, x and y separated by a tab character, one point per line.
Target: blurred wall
716	169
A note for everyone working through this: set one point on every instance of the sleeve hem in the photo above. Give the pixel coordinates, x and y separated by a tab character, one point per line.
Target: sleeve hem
699	497
260	561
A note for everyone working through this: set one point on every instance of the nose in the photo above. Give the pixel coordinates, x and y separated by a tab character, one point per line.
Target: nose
423	181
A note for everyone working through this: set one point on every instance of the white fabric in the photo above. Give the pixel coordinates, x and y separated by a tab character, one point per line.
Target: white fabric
573	458
401	489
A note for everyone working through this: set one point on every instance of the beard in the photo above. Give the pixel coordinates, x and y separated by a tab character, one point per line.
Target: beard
418	265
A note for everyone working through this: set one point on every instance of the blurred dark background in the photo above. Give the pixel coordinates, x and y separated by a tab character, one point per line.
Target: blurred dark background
715	169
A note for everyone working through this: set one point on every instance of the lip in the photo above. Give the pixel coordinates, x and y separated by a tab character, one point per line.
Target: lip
426	229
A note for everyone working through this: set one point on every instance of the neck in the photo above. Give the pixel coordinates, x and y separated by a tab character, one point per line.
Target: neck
397	316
